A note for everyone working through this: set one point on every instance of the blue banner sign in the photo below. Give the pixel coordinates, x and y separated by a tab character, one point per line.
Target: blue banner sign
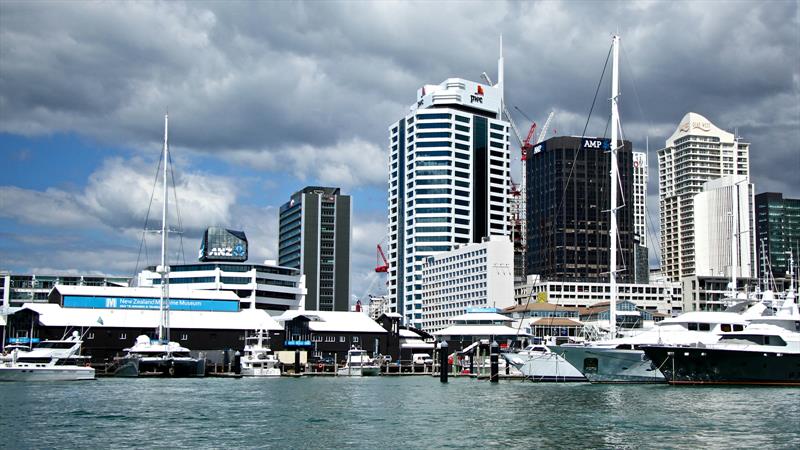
175	304
297	343
23	340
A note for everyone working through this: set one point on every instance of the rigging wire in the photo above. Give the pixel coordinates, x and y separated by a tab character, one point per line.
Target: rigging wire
143	242
569	177
177	208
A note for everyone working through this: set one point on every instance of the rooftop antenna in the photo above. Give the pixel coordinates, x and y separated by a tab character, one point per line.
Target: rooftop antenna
500	78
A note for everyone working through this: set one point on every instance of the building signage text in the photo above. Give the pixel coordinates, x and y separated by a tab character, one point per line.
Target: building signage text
151	303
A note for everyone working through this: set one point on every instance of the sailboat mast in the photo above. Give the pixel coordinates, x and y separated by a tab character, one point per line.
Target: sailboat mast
612	232
163	328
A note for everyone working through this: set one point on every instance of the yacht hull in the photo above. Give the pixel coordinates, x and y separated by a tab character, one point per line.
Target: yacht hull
359	371
549	367
697	365
261	372
57	373
611	365
161	367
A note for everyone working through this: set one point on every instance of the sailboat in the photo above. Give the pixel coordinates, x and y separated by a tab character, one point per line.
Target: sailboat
621	360
161	357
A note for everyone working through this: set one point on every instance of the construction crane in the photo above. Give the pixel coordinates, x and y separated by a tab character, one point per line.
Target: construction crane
543	133
383	264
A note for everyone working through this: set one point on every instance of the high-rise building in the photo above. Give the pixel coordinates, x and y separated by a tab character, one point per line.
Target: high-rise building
778	227
315	238
568	210
640	196
723	228
698	151
449	183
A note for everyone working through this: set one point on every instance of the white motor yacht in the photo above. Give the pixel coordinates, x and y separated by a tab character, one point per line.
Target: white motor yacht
258	359
539	363
359	364
50	360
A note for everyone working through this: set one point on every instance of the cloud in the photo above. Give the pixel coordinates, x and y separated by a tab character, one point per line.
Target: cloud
117	197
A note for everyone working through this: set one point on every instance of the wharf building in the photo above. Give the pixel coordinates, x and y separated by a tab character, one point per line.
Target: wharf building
657	296
16	289
698	151
778	228
471	276
449	181
315	239
568	210
222	267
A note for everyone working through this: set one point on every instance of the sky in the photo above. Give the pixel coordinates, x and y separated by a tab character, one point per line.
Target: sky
265	98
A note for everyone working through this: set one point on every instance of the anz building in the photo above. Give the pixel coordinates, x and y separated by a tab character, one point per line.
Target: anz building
449	181
222	267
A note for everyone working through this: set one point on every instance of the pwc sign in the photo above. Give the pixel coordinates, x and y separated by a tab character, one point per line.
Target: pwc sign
477	97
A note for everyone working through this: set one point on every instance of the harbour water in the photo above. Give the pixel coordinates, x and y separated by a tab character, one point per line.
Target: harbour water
392	412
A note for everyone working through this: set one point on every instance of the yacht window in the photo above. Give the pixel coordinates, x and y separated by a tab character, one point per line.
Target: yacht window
726	327
705	327
775	340
693	326
737	327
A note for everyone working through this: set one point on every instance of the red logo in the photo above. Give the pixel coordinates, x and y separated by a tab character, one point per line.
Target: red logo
480	90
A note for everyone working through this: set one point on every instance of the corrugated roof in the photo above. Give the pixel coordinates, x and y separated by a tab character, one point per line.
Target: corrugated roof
556	322
51	314
335	321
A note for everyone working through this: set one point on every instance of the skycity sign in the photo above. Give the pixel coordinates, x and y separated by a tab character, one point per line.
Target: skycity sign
149	303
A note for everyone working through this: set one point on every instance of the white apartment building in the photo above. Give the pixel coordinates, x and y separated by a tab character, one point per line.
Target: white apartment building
449	182
640	176
470	276
698	151
658	296
724	228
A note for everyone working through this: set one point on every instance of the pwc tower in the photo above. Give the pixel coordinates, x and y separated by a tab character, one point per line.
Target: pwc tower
449	183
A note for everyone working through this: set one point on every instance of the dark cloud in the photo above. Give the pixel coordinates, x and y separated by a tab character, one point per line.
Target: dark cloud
301	86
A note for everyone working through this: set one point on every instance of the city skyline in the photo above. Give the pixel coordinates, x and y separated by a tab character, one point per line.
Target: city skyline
265	102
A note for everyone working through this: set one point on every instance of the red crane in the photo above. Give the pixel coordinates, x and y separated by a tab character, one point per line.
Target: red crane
383	264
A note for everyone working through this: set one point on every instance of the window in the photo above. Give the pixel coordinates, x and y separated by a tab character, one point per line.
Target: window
90	336
123	335
184	336
330	338
355	339
341	339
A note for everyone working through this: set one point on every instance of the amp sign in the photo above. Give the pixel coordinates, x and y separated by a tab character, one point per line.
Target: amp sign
599	144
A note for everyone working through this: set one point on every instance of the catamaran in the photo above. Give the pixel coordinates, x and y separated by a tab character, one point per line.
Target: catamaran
161	357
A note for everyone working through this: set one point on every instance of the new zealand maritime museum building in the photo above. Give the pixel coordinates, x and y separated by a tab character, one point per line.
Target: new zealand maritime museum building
213	304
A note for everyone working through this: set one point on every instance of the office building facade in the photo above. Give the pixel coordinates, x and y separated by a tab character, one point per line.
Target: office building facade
568	210
17	289
449	183
315	238
698	151
471	276
724	228
778	233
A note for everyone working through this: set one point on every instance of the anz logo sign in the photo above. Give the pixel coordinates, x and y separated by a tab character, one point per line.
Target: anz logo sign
600	144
